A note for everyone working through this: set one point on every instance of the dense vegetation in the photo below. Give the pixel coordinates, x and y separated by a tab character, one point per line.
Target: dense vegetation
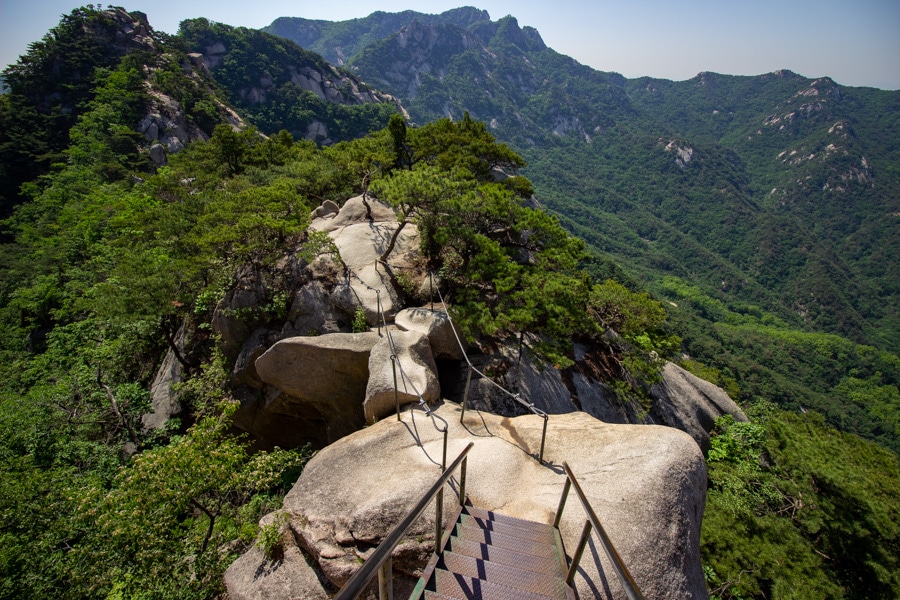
796	509
259	73
108	260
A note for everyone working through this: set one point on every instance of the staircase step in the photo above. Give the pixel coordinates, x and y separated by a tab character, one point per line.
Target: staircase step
429	595
491	538
536	533
454	585
504	556
489	515
512	577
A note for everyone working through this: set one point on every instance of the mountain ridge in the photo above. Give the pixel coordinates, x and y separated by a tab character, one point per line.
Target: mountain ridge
536	99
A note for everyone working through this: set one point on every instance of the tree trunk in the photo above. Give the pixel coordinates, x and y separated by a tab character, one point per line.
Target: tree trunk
115	406
390	248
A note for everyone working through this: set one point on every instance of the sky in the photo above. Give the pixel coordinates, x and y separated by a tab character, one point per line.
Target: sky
855	42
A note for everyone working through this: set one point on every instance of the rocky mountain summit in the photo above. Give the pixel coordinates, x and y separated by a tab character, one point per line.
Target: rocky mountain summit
324	384
312	370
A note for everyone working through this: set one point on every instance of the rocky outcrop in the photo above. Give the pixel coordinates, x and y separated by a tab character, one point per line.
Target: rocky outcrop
254	576
680	400
361	232
685	401
437	326
647	484
164	400
327	373
329	218
311	311
403	357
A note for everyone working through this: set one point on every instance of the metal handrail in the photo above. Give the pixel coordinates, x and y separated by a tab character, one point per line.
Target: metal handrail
380	560
630	586
517	397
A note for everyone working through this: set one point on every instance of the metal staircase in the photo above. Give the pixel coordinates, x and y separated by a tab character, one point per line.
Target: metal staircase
485	555
489	555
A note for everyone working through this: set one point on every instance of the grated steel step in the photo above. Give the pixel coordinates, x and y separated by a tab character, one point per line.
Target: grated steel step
429	595
489	515
503	556
512	577
455	585
536	533
496	557
522	545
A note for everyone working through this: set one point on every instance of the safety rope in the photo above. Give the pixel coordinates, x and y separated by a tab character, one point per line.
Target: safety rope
405	379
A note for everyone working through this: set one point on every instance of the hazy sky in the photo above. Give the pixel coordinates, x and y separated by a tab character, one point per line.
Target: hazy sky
856	42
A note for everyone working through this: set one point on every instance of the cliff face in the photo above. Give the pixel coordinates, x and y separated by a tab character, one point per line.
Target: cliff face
339	42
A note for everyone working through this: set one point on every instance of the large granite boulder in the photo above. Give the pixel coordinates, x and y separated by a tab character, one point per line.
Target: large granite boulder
362	231
254	576
437	326
416	374
328	373
355	210
647	484
691	404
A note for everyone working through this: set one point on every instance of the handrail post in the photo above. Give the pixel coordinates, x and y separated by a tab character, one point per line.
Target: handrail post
396	395
444	456
386	580
543	439
462	481
380	313
438	518
431	288
576	558
466	394
562	503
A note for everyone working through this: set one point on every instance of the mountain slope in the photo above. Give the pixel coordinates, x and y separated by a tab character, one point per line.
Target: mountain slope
787	184
763	208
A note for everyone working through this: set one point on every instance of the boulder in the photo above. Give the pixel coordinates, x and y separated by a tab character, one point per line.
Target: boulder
244	372
362	230
158	154
646	483
691	404
370	288
681	400
312	312
328	208
437	326
360	245
255	577
355	211
416	374
328	373
287	574
163	398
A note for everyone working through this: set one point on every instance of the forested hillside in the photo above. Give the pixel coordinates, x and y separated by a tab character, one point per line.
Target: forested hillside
138	188
764	209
